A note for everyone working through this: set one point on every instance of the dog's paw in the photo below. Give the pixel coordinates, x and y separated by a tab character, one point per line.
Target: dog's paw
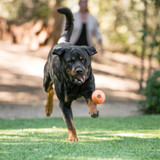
49	110
75	139
95	114
48	114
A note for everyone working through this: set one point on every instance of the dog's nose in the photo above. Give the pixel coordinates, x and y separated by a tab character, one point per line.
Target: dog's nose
79	70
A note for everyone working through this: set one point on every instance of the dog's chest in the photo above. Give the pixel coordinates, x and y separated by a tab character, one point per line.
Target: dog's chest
73	93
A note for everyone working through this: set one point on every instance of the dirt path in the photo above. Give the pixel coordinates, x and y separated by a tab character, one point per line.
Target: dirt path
22	95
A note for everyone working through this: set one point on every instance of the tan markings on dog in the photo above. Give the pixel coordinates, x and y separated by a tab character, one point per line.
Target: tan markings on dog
66	98
73	71
86	71
69	72
50	86
65	66
81	57
49	105
72	133
73	58
92	106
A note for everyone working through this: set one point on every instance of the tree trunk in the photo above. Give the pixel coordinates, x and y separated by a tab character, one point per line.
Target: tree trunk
154	37
143	46
55	23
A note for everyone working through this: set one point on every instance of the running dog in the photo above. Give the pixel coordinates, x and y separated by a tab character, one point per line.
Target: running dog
68	68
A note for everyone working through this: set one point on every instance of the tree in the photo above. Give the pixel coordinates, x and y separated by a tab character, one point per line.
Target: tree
144	31
55	22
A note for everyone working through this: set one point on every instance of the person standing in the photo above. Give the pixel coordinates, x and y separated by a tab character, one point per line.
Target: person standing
85	27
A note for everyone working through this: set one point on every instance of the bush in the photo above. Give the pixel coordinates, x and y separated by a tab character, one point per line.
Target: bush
151	105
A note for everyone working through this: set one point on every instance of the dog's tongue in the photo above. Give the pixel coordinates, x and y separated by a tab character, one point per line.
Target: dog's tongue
81	78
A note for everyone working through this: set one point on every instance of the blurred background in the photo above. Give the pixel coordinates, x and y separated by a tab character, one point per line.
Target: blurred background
128	71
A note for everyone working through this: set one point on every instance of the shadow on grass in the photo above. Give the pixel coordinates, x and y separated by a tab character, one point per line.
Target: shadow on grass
125	138
112	123
40	145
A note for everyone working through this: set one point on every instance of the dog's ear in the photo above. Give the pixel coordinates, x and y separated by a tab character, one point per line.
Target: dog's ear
58	50
90	50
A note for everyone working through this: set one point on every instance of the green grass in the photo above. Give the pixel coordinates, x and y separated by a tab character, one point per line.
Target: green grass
102	138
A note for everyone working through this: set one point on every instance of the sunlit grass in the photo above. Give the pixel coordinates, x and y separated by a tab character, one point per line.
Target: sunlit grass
103	138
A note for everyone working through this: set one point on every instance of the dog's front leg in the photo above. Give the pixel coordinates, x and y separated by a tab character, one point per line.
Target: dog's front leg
92	108
49	105
68	118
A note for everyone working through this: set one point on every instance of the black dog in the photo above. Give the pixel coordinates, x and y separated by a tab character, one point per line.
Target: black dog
69	68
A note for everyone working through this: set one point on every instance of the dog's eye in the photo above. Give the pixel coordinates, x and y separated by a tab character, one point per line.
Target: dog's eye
70	61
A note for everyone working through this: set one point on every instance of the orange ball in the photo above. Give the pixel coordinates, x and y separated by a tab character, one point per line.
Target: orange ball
98	96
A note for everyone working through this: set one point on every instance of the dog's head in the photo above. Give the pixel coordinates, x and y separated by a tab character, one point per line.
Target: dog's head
75	61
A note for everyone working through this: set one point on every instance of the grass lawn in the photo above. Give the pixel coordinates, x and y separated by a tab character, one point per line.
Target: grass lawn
102	138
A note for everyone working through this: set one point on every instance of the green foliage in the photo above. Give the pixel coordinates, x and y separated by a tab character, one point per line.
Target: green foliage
151	105
21	11
158	56
33	10
144	34
156	3
154	44
150	32
119	20
9	9
102	138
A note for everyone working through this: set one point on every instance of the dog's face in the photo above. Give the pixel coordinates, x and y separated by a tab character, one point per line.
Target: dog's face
76	61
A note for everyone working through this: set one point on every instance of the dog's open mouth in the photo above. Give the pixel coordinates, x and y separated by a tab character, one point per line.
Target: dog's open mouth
80	79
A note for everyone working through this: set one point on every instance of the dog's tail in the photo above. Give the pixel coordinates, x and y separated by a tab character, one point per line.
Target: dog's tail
66	35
